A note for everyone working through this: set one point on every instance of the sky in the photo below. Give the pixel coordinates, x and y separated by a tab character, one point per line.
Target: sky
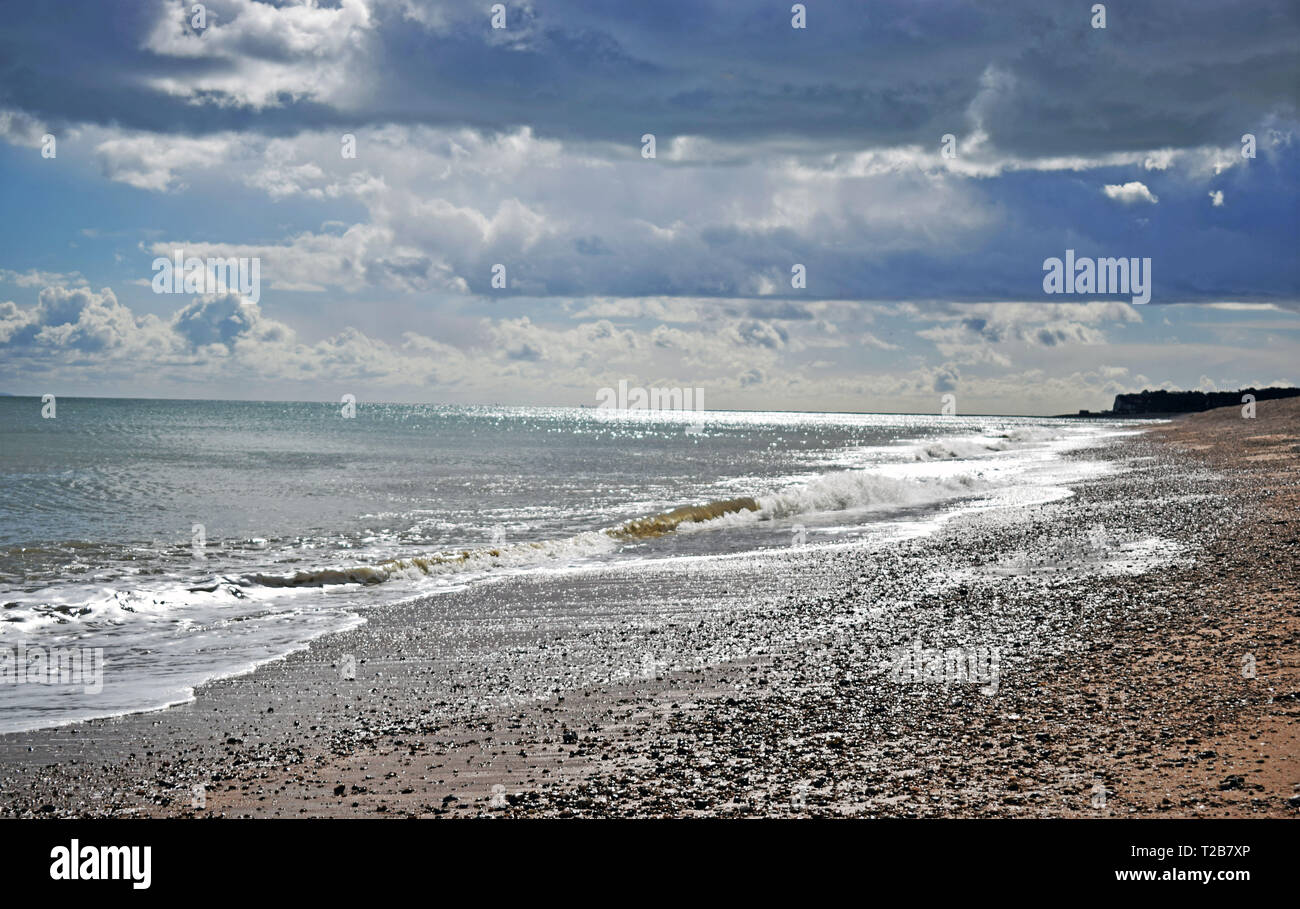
853	215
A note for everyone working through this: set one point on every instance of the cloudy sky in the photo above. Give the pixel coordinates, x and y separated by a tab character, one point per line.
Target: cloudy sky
775	146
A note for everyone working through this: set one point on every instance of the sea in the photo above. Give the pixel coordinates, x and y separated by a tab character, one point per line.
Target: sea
180	541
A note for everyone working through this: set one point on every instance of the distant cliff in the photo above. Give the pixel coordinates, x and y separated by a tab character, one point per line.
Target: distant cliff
1190	401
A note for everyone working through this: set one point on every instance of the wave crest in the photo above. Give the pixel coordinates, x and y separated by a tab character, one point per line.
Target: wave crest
668	521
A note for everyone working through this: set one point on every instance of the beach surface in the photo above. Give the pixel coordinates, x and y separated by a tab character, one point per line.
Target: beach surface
1128	651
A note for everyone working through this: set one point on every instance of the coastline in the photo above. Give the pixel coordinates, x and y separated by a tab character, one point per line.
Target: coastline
1110	677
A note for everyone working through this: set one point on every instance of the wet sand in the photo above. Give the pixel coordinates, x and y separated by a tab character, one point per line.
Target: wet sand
1147	633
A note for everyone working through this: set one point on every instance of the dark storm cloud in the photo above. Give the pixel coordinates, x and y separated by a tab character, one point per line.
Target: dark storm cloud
1160	74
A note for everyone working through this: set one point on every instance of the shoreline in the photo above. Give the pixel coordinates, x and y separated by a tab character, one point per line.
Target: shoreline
1131	682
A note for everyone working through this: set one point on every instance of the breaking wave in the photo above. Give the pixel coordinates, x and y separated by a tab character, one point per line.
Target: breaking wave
838	491
514	555
860	489
660	524
974	447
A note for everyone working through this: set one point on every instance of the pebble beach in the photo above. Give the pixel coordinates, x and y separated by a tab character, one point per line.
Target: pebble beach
1128	651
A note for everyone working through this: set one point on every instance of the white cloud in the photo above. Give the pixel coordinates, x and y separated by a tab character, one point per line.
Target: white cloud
150	162
991	332
1129	193
362	256
260	52
36	278
19	128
